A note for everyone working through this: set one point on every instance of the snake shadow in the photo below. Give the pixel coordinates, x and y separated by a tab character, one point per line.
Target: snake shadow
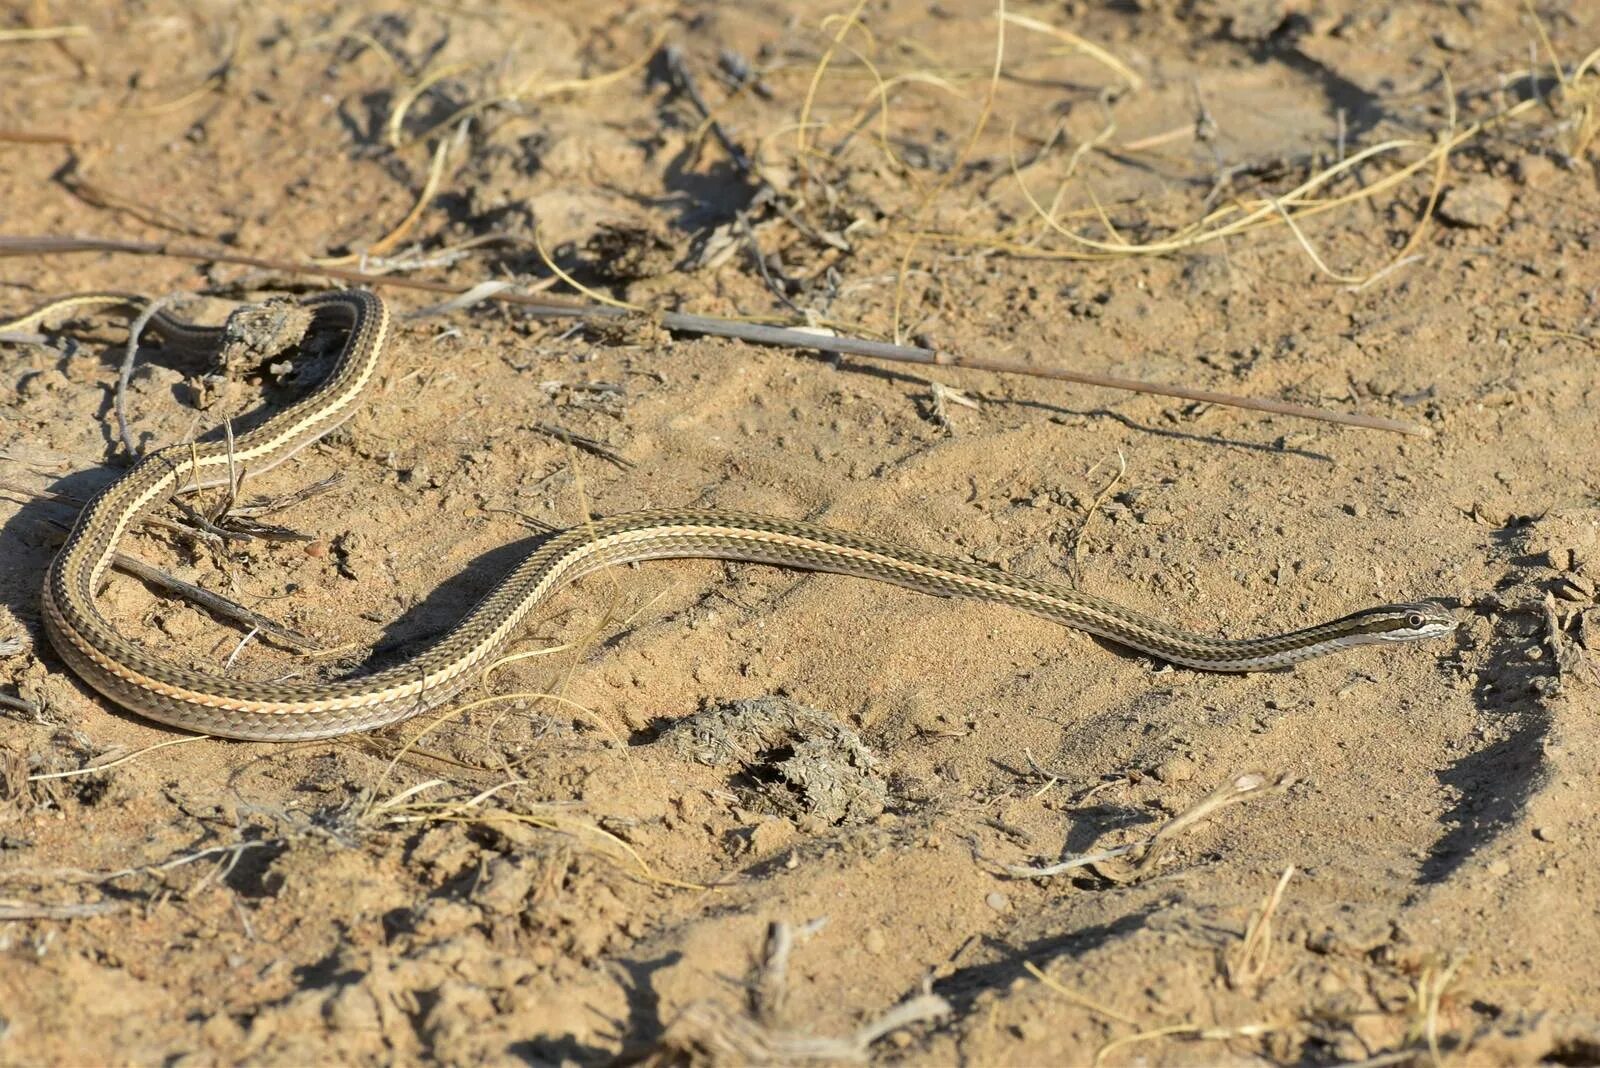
418	626
30	536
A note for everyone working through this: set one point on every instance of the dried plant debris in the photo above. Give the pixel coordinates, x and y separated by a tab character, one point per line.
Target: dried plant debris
709	1034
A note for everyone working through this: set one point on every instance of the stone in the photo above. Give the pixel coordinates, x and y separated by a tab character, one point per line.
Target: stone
1479	203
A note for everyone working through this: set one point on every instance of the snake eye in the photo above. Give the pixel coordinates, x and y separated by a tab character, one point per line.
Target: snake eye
1414	621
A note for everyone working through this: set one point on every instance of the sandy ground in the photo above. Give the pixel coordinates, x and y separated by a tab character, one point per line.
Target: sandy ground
749	813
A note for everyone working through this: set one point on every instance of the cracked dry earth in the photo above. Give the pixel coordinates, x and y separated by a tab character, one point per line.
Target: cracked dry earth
742	813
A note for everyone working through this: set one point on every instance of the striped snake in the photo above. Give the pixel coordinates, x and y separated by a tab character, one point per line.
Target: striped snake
213	703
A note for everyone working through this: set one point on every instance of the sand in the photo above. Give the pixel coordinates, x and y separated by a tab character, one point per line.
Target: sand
745	813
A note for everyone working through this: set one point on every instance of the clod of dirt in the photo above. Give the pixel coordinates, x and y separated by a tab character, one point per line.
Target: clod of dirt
1477	204
255	333
801	761
1566	539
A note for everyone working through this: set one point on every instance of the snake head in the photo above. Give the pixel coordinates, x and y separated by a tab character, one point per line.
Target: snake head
1406	622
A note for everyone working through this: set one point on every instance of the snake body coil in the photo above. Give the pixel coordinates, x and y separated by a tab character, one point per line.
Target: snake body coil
212	703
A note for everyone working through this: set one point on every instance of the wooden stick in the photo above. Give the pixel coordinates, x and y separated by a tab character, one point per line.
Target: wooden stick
555	307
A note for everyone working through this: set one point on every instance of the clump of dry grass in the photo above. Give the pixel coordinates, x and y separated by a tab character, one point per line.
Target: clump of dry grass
500	806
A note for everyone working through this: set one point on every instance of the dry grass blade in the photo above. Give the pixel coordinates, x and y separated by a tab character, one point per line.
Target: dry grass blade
1075	540
949	176
369	42
458	711
1248	963
1190	1031
408	807
430	187
1431	987
803	126
526	91
137	753
1289	209
212	82
44	33
1079	44
1077	998
594	295
409	95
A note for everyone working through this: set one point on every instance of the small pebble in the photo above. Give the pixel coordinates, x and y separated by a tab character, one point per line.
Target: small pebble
997	901
1544	834
1478	203
1559	558
875	942
1174	769
1571	591
1534	170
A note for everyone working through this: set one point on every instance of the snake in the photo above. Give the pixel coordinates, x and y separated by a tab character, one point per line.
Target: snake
215	703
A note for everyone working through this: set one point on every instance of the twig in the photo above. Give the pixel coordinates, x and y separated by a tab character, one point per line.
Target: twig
207	527
1239	788
74	181
684	80
212	602
35	137
20	704
760	259
942	396
27	910
1075	542
125	375
261	506
552	307
215	602
771	986
590	445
